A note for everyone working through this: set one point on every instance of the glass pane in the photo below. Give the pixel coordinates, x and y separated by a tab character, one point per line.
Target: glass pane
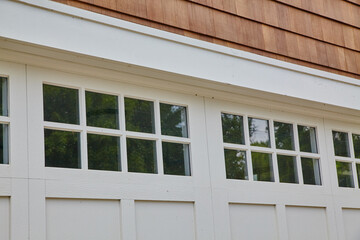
103	152
259	132
3	96
311	171
233	128
173	120
61	104
287	169
356	141
284	136
341	144
176	159
262	167
139	115
141	155
102	110
62	149
236	165
358	172
4	144
345	176
307	139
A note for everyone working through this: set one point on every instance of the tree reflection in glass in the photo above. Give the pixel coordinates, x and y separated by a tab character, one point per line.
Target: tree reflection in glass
262	166
236	165
345	175
141	155
4	147
311	171
102	110
173	120
307	139
356	142
176	159
139	115
284	136
3	96
233	128
287	169
259	132
103	152
358	173
341	144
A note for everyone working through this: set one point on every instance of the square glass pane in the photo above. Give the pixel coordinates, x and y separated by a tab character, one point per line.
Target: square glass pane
3	96
356	142
307	139
236	165
262	167
345	175
287	169
284	136
102	110
176	159
233	128
173	120
311	171
341	144
141	155
62	149
139	115
358	173
61	104
103	152
4	144
259	132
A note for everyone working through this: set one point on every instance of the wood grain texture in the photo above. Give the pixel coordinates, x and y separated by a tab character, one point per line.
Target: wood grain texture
301	32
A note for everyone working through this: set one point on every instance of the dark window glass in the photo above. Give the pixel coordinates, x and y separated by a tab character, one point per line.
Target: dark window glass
139	115
345	175
103	152
311	171
284	136
61	104
102	110
236	165
173	120
3	96
341	144
356	142
4	144
358	173
233	128
307	139
141	155
259	132
287	169
62	149
176	159
262	167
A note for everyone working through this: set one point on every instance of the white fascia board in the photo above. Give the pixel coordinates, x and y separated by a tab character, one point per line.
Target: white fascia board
58	26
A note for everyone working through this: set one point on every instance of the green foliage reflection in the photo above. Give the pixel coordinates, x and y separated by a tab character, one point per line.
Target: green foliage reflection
233	128
341	144
345	176
139	115
103	152
287	169
141	155
284	136
176	158
262	167
173	120
356	142
236	165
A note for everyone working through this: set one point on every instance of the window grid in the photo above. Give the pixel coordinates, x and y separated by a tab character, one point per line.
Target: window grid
273	150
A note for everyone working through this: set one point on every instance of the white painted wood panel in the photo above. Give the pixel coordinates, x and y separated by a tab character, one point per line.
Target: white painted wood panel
351	218
4	218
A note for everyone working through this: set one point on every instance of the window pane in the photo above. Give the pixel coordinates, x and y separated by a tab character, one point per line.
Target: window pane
176	159
341	144
103	152
356	141
284	136
4	143
62	149
102	110
262	167
61	104
307	139
233	128
141	155
259	132
287	169
311	171
236	165
139	115
173	120
345	176
358	172
3	96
